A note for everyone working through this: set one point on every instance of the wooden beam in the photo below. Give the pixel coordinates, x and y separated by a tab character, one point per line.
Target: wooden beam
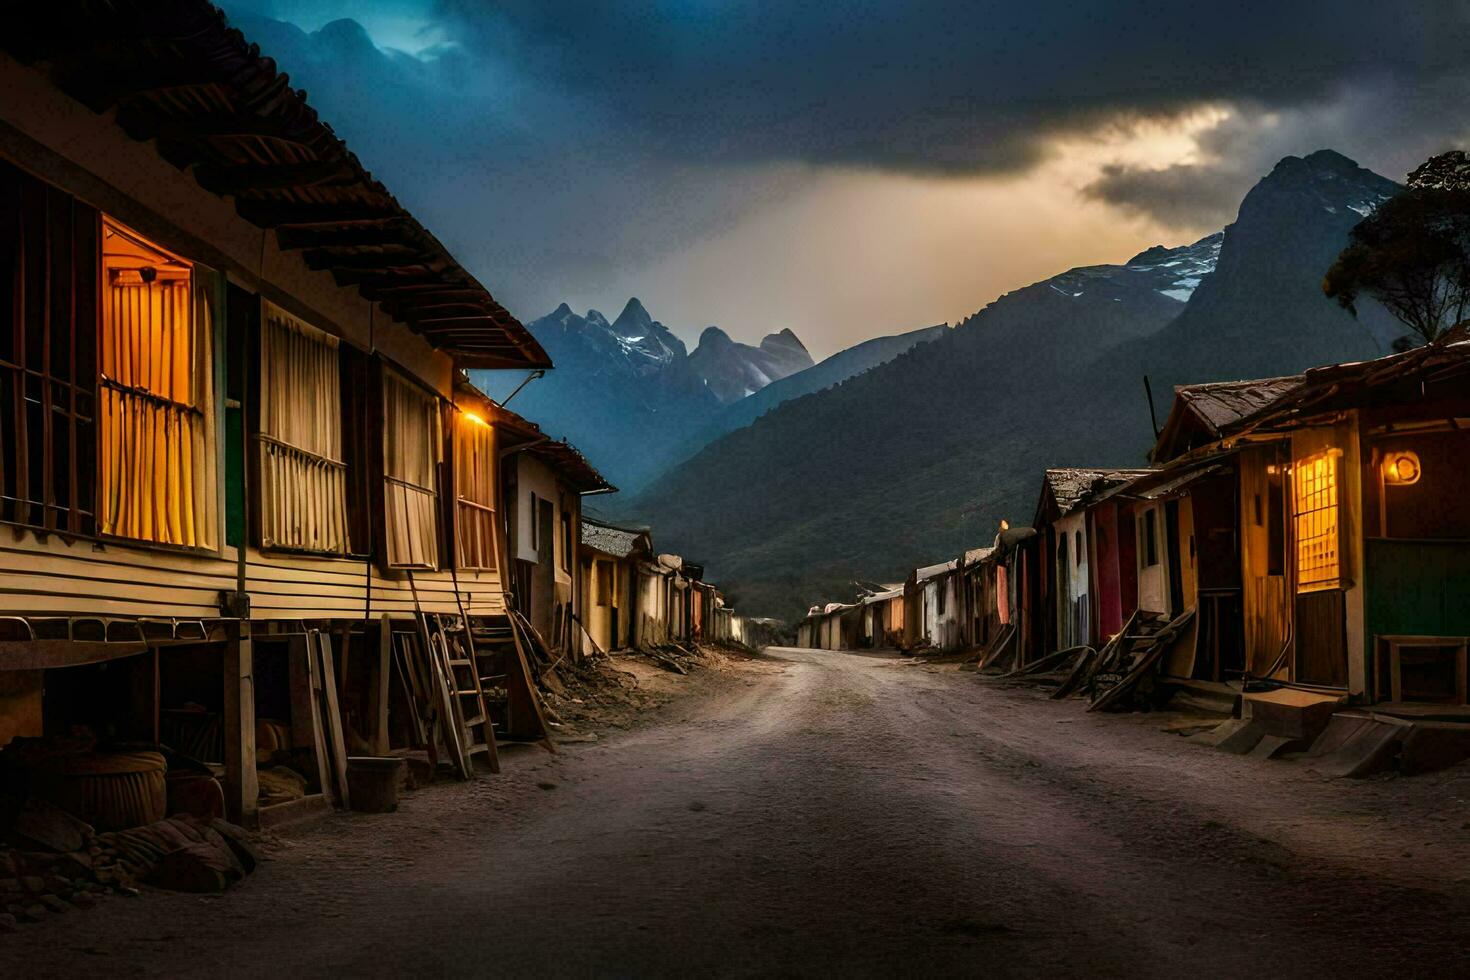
388	231
242	790
141	125
407	257
234	180
279	214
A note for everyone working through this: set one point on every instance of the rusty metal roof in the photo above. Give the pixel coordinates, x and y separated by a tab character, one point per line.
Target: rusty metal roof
174	71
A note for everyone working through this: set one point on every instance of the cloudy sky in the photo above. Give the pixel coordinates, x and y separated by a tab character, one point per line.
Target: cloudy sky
849	168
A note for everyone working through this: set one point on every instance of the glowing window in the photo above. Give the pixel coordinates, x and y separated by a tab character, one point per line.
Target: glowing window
475	462
1314	486
156	398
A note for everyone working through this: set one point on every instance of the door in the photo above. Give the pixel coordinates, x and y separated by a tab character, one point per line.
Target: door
543	588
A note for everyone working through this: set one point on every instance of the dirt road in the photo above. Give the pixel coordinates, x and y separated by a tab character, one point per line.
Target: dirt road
825	813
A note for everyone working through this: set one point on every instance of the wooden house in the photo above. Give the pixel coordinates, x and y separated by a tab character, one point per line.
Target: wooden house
1354	565
1082	580
608	565
882	618
236	464
931	607
544	485
655	600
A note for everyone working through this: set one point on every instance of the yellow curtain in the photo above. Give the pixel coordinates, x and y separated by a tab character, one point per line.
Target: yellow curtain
411	452
303	480
156	410
474	487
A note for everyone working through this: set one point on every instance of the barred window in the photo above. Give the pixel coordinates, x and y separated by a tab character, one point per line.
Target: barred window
303	479
411	454
155	405
1315	517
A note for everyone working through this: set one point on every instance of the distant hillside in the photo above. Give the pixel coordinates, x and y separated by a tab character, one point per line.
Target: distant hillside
834	370
919	458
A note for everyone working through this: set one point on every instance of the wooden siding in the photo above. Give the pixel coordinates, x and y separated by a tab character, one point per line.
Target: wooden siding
85	577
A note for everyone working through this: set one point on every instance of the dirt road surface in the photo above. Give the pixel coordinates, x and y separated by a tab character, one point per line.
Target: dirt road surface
812	813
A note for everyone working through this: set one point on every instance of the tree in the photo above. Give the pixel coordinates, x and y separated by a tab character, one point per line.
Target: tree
1413	253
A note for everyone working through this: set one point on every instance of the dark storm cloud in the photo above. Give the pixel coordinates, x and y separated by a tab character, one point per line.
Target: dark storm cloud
572	149
940	85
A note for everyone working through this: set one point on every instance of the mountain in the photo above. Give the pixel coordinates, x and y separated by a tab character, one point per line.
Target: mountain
630	394
732	371
919	458
834	370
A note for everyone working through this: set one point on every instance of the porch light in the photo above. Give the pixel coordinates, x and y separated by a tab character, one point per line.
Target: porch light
1402	468
474	418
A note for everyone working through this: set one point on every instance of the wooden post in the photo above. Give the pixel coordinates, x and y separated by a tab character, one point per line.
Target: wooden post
241	790
378	693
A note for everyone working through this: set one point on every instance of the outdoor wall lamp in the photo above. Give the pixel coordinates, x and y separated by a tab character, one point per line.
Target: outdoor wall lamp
1401	468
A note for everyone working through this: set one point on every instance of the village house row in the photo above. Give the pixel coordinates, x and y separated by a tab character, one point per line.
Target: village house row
1301	543
253	508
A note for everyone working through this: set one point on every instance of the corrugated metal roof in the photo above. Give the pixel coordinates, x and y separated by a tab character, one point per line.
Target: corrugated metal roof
930	571
883	596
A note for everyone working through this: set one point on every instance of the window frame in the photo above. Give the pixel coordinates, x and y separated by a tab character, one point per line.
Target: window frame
207	288
474	427
387	372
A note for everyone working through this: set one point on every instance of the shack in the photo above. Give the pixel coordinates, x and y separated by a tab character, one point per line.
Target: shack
609	568
882	624
931	607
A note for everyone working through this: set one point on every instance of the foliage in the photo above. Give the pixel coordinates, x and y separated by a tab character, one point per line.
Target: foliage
1413	253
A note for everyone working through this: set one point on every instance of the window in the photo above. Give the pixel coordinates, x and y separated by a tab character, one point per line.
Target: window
943	591
566	541
534	511
474	491
157	475
48	367
1077	548
604	583
1150	538
411	454
1314	482
303	479
1275	525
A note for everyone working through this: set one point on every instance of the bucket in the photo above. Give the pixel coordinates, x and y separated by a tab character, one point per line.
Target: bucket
372	783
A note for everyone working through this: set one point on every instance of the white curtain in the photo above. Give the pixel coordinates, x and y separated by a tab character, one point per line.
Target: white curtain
303	492
411	453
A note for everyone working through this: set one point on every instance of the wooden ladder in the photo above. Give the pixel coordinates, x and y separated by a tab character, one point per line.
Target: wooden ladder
470	731
500	653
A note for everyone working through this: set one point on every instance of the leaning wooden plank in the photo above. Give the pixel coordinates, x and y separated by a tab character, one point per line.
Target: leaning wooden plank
1080	670
524	717
1050	662
1003	641
1146	662
304	649
332	714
